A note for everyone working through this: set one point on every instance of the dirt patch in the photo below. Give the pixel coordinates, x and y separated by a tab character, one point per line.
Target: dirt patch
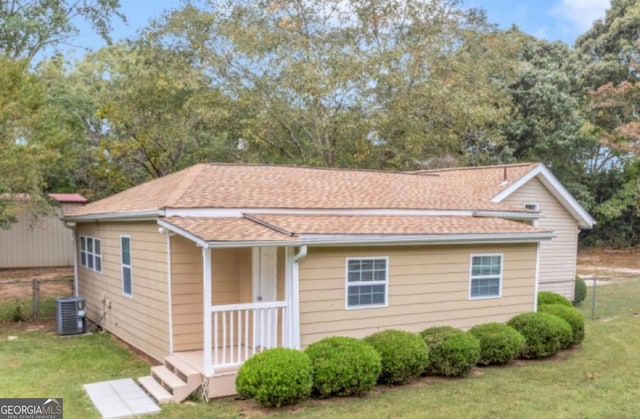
606	257
38	273
17	283
608	264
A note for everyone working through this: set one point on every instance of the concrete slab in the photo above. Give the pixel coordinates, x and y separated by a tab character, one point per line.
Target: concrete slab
120	399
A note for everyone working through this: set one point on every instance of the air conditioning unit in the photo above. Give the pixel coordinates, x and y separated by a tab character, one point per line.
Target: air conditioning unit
70	315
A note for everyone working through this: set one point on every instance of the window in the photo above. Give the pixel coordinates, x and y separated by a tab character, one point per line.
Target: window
90	253
533	207
486	276
367	280
125	252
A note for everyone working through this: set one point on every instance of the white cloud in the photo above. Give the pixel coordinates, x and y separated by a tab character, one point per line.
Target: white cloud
580	13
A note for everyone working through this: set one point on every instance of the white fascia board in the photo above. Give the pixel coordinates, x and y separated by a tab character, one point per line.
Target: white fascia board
394	240
556	188
381	240
239	212
117	216
183	233
509	215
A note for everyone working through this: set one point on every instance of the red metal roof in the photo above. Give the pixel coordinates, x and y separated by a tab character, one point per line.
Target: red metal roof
69	198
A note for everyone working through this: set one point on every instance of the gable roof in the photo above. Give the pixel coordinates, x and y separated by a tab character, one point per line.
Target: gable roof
496	183
289	187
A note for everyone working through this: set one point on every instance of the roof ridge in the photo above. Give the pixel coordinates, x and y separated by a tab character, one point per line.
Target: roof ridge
189	175
495	166
323	168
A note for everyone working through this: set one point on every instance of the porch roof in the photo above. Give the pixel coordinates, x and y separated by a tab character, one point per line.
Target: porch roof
306	229
225	229
297	225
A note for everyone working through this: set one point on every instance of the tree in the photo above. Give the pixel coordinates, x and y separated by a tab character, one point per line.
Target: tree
29	131
610	51
29	26
153	113
363	83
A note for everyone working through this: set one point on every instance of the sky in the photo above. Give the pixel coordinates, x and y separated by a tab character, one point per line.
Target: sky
553	20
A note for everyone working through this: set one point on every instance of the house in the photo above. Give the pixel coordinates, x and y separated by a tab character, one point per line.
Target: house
202	268
42	242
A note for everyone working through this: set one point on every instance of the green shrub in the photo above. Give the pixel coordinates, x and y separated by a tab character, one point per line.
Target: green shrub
455	356
433	337
580	291
545	334
343	366
404	355
276	377
499	343
546	297
572	316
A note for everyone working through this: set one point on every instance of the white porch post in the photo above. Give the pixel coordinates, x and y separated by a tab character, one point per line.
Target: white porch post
288	280
207	288
294	307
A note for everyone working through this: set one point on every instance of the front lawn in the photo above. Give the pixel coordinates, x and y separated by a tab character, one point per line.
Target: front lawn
598	380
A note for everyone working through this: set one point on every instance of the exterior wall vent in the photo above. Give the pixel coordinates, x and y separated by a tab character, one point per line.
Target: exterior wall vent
70	315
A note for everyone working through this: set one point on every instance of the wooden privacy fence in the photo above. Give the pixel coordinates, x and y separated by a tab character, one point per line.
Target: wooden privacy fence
19	291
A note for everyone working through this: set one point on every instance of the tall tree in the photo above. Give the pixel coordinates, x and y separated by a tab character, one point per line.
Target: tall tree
366	83
610	76
154	113
29	26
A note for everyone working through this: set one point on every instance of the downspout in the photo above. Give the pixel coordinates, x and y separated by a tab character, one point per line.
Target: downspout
295	296
74	233
537	277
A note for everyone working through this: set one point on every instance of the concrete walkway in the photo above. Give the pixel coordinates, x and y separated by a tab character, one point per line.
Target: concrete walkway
120	399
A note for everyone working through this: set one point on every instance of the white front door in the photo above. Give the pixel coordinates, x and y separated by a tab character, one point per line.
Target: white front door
264	274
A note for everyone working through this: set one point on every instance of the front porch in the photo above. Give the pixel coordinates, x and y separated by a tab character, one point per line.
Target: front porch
244	301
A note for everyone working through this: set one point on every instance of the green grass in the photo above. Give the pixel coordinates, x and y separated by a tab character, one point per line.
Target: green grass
598	380
23	308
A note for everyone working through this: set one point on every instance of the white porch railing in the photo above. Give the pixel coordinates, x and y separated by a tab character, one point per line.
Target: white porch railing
241	330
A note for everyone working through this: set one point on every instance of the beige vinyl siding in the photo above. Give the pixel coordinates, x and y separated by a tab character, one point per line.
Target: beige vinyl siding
428	286
232	284
558	256
37	243
142	320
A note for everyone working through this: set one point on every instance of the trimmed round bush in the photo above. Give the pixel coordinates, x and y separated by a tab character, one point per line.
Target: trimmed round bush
433	337
546	297
499	343
276	377
545	334
455	356
580	291
343	366
404	355
572	316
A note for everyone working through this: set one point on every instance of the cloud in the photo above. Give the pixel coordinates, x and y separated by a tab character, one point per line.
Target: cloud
580	13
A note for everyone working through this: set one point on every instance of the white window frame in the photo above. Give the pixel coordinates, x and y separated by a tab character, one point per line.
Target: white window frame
92	255
472	277
124	266
536	207
349	285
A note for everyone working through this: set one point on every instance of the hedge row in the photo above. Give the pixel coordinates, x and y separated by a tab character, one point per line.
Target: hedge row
342	366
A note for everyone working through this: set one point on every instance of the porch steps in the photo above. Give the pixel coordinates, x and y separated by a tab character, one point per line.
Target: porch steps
172	382
155	389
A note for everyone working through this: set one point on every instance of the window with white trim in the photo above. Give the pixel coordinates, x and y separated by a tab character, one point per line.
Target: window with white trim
367	281
486	276
125	256
90	253
533	207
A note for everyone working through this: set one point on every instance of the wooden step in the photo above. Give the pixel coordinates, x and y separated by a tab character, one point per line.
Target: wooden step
167	378
183	370
155	390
